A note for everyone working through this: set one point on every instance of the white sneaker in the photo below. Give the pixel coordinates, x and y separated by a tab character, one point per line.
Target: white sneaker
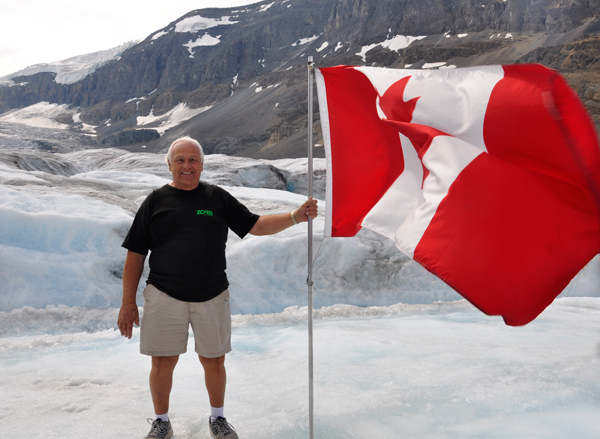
160	429
221	429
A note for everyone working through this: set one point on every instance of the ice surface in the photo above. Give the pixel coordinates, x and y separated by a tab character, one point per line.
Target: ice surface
64	217
415	371
397	353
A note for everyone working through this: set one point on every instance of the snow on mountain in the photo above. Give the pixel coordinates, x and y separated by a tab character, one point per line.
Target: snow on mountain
204	40
171	119
45	114
41	115
395	43
73	69
198	23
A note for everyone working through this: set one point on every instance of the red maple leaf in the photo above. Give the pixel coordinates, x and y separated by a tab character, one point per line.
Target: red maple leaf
399	114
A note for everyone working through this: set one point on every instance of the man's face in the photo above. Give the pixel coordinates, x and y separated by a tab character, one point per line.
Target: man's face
185	166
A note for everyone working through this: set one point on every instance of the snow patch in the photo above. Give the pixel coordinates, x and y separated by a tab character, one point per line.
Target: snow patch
160	34
265	7
134	99
323	46
84	126
198	23
433	65
204	40
177	115
401	42
396	43
304	41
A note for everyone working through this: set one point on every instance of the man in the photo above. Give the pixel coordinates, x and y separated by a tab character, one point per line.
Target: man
184	225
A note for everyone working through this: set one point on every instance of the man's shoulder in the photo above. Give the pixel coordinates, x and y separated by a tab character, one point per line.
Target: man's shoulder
213	189
157	193
220	195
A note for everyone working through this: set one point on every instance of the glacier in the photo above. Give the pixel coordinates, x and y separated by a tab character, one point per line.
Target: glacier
397	353
71	70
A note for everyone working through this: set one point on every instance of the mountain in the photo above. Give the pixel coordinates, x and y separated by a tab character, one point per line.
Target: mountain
236	78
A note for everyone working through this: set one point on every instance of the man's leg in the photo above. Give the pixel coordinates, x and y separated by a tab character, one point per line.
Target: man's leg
215	379
161	381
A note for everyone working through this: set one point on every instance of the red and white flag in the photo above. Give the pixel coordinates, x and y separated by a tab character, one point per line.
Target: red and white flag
489	177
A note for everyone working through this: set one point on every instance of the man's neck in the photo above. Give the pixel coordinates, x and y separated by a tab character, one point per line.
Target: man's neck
172	184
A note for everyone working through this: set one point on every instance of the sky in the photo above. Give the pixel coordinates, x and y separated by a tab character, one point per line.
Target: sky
41	31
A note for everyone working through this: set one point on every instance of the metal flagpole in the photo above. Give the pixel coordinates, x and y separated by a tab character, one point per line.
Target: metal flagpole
309	281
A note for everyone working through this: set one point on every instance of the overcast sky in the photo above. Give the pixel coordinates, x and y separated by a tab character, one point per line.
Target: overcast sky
40	31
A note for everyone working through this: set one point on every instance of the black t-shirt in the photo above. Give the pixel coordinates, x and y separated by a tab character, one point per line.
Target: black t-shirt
186	233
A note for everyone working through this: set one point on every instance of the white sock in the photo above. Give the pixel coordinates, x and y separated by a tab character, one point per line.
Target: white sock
164	418
216	412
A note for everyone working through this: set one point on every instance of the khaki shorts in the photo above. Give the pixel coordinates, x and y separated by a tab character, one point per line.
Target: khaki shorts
165	325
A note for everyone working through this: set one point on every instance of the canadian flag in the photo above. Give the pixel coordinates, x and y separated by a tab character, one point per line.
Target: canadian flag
489	177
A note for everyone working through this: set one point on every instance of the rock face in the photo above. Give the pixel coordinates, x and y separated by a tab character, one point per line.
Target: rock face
249	64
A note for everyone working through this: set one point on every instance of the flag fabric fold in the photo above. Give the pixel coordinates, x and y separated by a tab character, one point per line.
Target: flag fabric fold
489	177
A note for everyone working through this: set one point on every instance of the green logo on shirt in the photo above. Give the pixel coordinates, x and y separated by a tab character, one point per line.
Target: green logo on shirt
204	212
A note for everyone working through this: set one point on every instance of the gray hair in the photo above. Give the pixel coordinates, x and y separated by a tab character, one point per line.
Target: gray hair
184	139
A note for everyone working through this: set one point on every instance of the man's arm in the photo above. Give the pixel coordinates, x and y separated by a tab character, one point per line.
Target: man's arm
132	272
270	224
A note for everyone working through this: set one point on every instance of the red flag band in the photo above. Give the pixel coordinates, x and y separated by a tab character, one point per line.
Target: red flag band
489	177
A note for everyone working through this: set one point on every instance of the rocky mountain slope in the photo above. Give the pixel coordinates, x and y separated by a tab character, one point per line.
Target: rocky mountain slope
236	78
